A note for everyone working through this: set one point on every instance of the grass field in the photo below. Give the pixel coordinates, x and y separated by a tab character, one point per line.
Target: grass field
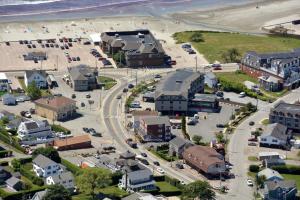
107	81
166	187
216	43
236	77
292	177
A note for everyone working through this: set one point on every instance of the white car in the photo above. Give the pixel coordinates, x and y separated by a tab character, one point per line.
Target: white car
249	182
27	114
242	94
160	170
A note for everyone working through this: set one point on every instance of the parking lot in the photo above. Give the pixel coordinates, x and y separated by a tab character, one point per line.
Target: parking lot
57	58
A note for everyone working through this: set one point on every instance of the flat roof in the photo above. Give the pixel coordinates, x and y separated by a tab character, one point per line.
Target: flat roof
205	97
287	108
3	76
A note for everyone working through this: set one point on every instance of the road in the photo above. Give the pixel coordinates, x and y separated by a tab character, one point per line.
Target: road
237	149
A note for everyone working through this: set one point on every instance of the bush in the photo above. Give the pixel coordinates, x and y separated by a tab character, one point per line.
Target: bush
71	167
287	169
35	180
5	153
254	168
59	128
4	137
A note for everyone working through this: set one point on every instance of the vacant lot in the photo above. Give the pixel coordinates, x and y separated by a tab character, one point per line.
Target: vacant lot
216	43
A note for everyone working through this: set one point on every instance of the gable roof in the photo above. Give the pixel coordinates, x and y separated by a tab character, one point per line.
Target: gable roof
43	161
179	141
81	72
153	120
287	108
287	184
12	181
269	173
139	174
65	176
276	130
54	102
39	195
29	73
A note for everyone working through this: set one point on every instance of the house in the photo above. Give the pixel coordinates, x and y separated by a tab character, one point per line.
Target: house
5	114
39	195
31	130
137	180
127	155
211	80
270	175
154	128
268	155
286	114
137	114
14	183
56	108
177	145
270	162
275	71
275	136
39	77
72	143
83	78
4	82
143	196
174	91
65	179
45	167
205	103
15	123
4	175
9	99
140	47
205	160
278	190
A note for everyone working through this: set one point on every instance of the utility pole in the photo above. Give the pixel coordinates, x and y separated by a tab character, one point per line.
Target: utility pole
56	62
196	62
136	77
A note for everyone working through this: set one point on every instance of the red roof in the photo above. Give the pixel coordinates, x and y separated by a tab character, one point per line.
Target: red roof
71	141
54	102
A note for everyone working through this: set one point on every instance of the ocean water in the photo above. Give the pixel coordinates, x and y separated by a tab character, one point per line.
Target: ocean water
12	10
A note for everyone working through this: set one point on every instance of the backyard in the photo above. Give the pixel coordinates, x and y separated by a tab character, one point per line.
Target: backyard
214	44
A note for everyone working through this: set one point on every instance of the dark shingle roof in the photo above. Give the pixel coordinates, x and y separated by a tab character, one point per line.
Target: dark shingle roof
273	185
276	130
43	161
178	141
65	176
287	108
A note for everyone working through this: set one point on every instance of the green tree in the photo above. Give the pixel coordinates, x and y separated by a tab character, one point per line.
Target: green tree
259	181
254	168
49	152
5	120
220	137
196	37
197	139
57	192
16	164
231	55
198	190
33	91
92	179
119	57
256	133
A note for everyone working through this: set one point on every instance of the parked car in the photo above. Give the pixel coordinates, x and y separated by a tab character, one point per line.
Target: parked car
88	96
156	163
119	96
253	139
73	96
157	76
144	155
179	165
160	170
220	126
27	114
249	182
251	123
125	90
144	161
85	129
130	86
82	104
242	94
252	144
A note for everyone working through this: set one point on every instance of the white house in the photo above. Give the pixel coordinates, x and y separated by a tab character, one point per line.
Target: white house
32	130
275	135
38	76
137	180
270	175
4	83
9	99
45	167
65	179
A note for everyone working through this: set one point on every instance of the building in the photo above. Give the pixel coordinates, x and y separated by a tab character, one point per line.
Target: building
211	80
45	167
39	77
275	136
144	196
268	155
270	175
72	143
30	130
9	99
4	175
177	146
286	114
4	82
278	190
56	108
65	179
14	124
154	129
14	183
127	155
205	160
283	68
39	195
205	103
5	114
35	56
137	114
140	48
175	90
270	162
137	180
83	78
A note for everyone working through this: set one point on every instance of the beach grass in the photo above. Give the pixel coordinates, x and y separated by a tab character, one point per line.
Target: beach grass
214	44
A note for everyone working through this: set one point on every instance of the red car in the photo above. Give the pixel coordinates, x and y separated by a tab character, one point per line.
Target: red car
252	139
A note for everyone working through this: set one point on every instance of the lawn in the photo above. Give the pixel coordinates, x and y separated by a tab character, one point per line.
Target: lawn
166	187
292	177
107	81
265	121
113	191
252	158
236	77
216	43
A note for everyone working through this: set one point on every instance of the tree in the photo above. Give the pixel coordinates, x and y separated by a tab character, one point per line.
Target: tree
197	139
33	91
16	164
198	189
231	55
254	168
49	152
196	37
92	179
260	180
256	133
57	192
119	57
220	137
5	120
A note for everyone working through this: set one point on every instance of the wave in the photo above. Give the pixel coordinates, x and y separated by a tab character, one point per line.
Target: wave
24	2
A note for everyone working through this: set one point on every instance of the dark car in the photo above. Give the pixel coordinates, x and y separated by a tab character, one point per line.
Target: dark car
7	43
78	58
85	129
144	154
43	46
73	96
253	139
157	76
145	162
29	46
156	163
125	90
87	43
82	104
220	126
21	42
130	86
251	123
33	46
88	96
179	165
47	45
73	58
62	47
22	113
56	46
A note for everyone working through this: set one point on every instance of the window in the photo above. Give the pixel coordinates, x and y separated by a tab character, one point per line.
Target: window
264	139
274	140
54	172
48	173
49	167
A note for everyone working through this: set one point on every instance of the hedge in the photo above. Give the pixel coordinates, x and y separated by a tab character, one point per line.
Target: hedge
34	179
71	167
5	153
287	169
11	141
253	168
59	128
25	194
25	160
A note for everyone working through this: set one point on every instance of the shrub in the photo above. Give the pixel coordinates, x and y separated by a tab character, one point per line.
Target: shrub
35	180
71	167
287	169
254	168
59	128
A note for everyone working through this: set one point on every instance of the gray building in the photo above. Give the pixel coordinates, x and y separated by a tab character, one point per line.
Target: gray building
211	80
205	103
140	47
177	145
83	78
278	190
286	114
175	90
